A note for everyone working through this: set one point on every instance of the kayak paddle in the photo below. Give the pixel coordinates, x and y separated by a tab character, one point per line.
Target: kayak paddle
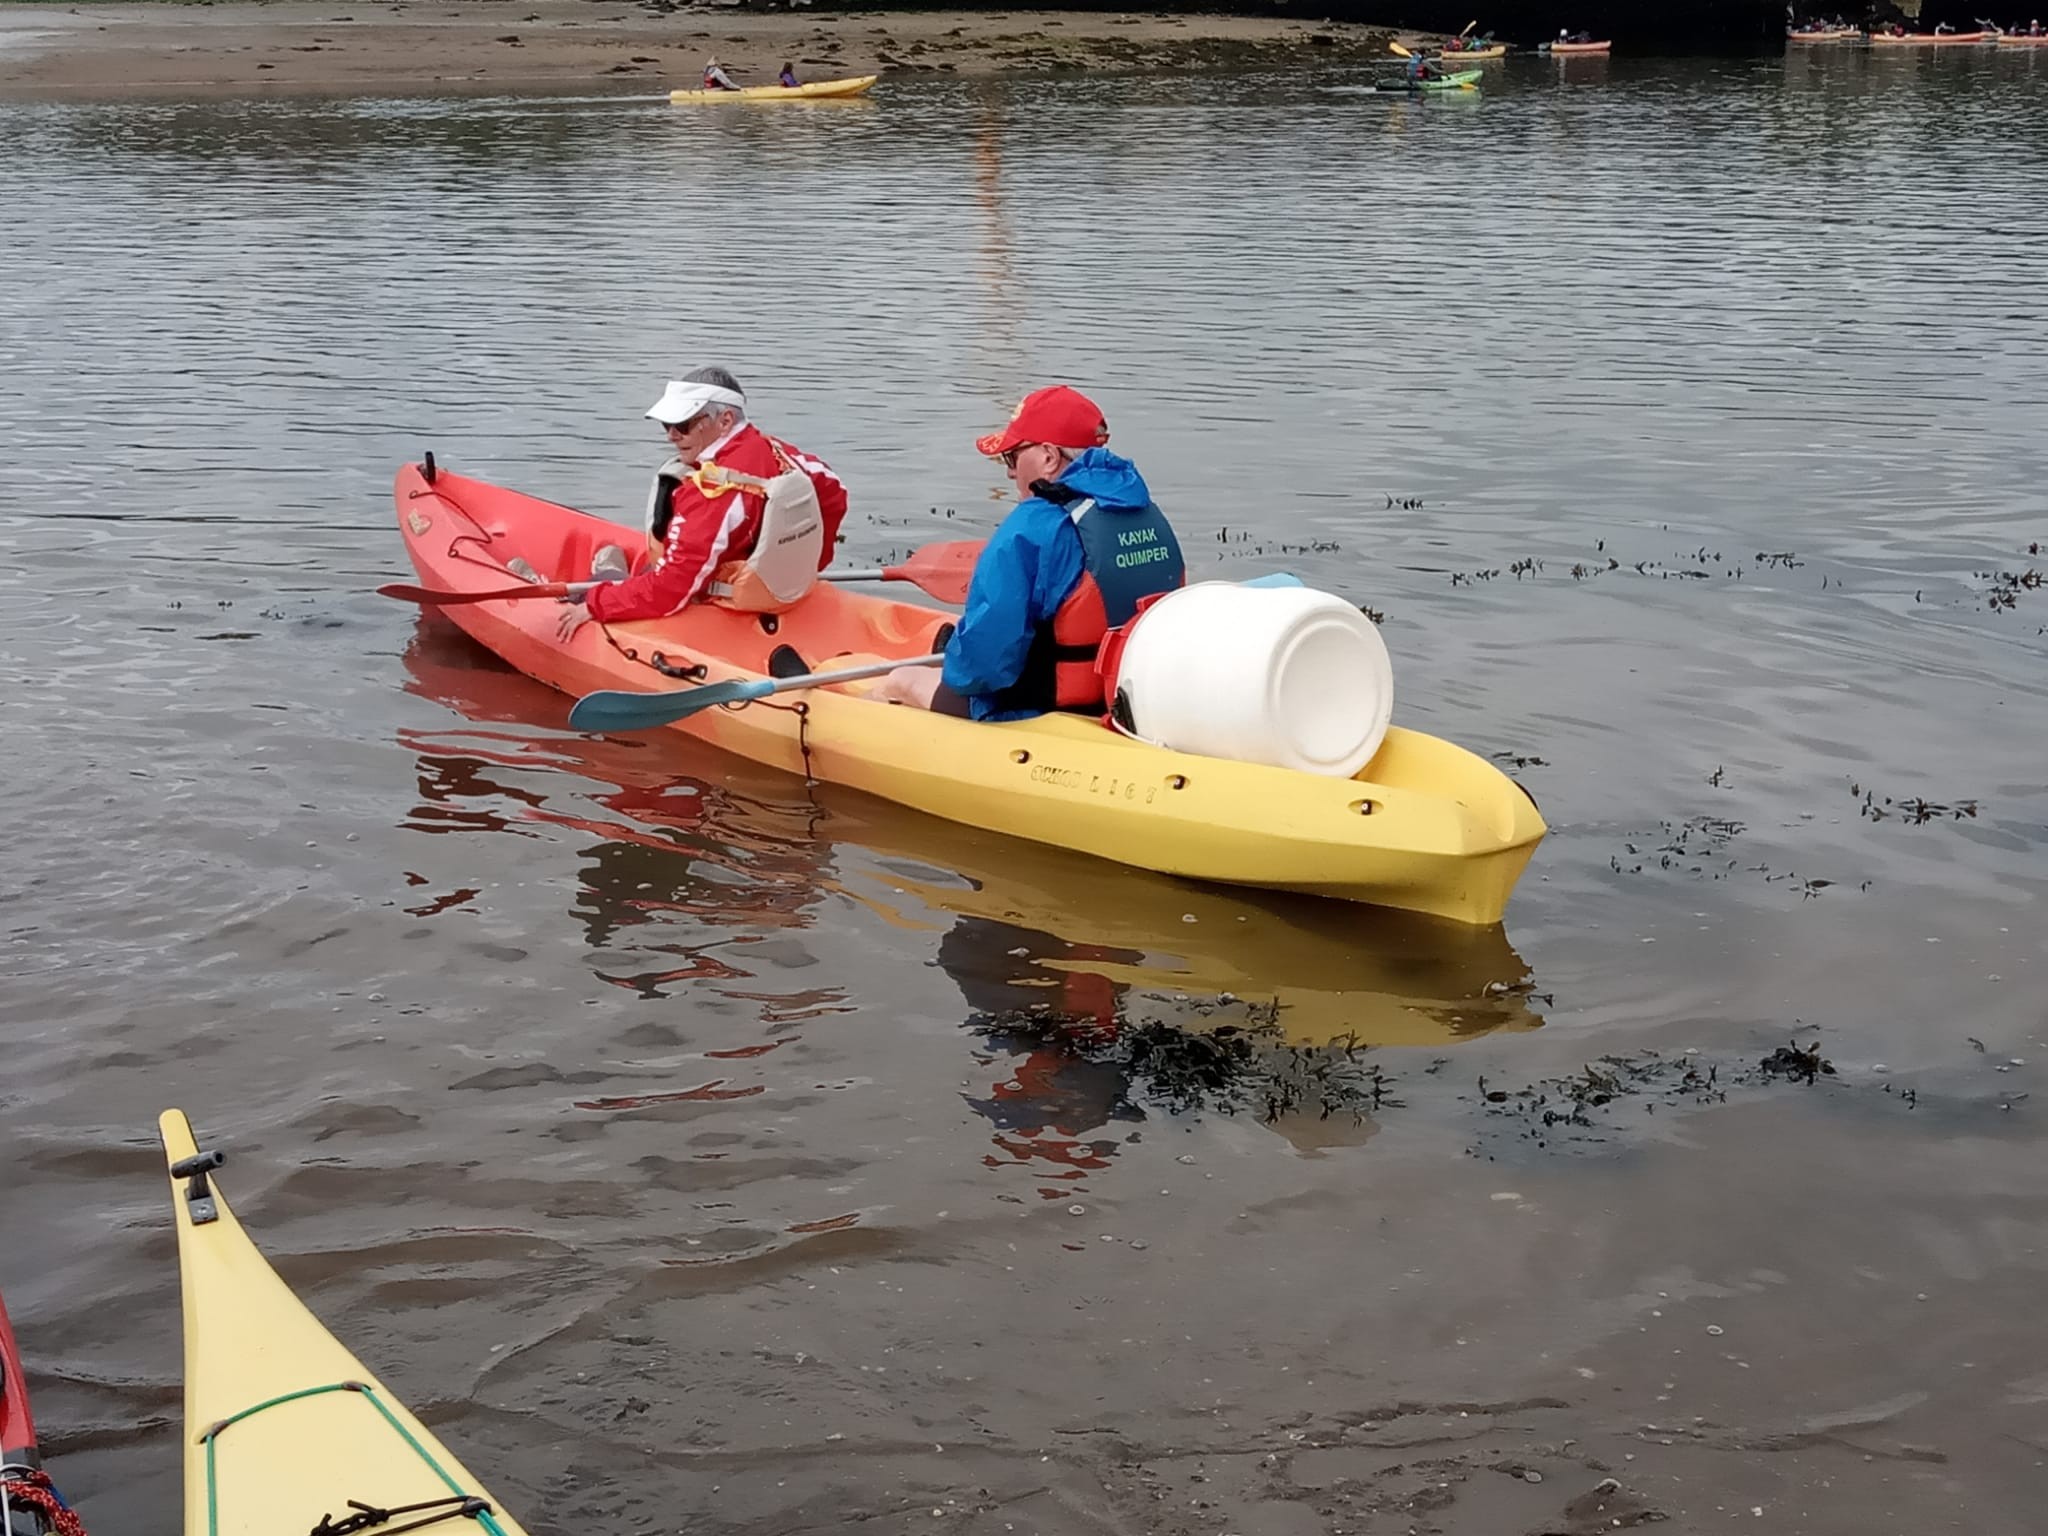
427	597
943	570
615	709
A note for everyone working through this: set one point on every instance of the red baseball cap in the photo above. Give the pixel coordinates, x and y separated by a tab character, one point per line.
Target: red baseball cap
1059	415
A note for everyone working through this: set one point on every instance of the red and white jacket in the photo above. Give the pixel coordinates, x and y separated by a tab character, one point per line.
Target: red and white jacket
709	524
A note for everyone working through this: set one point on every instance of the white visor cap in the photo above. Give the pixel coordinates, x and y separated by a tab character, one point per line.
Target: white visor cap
683	400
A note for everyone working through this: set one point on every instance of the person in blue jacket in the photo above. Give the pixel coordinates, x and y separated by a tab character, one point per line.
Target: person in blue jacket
1073	559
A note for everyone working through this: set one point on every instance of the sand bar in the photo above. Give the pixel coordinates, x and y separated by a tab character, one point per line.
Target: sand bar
336	45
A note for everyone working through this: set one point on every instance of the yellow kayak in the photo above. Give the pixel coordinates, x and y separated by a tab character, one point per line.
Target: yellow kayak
816	90
283	1427
1472	55
1426	825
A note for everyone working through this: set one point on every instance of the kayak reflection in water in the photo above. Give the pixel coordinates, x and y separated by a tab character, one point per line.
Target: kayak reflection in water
715	78
1053	1095
1084	545
705	532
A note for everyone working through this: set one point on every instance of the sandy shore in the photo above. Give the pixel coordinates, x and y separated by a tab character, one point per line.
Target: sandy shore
458	44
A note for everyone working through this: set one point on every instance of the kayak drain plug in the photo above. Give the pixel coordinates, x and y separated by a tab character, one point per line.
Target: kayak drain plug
199	1201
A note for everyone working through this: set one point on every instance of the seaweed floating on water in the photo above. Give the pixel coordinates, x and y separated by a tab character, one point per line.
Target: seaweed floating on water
1916	812
1800	1063
1578	1108
1231	1069
1687	845
2006	586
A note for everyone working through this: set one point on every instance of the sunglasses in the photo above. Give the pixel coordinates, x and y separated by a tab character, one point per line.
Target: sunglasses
671	428
1009	455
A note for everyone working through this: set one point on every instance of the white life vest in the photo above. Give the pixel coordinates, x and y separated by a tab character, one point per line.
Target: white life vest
783	565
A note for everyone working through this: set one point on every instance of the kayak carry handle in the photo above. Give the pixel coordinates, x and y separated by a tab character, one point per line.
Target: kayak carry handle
427	469
199	1201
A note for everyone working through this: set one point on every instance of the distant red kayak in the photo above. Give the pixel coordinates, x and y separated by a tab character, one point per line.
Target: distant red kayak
33	1505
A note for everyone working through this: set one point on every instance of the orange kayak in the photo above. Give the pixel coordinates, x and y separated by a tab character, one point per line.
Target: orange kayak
2023	40
1927	39
1581	47
1426	825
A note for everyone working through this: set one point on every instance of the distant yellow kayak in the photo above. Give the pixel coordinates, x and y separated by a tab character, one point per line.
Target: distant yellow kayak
858	85
283	1426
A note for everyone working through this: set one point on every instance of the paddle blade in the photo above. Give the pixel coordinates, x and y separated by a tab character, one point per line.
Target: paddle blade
616	710
426	597
943	570
1400	50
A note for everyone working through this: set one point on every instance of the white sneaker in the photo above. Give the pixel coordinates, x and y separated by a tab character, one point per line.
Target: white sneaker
610	564
524	571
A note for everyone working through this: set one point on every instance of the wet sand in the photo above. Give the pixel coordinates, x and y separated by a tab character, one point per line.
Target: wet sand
326	45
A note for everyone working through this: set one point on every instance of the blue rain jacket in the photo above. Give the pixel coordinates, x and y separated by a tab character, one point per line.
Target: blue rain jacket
1032	562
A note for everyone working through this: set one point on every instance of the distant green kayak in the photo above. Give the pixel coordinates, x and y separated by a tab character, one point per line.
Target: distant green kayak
1463	80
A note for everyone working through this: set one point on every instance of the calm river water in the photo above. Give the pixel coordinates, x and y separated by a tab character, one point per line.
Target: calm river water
676	1137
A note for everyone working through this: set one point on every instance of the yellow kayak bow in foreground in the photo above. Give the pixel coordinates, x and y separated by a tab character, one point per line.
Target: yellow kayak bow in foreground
285	1433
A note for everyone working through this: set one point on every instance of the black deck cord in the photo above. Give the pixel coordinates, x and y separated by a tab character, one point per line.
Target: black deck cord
367	1515
802	711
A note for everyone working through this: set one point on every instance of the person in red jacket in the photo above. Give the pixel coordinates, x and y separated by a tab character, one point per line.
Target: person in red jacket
696	521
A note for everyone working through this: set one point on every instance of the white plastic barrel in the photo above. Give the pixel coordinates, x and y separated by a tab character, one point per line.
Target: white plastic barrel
1286	676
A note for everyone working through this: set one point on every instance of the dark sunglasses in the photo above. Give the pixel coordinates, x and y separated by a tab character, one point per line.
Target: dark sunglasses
1009	455
668	427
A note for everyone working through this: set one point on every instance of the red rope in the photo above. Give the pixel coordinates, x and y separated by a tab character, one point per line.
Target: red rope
34	1490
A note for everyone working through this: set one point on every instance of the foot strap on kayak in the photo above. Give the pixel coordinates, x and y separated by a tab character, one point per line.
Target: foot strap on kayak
694	672
29	1501
368	1515
686	672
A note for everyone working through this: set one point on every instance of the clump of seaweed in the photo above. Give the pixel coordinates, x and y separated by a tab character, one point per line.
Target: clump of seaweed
1231	1069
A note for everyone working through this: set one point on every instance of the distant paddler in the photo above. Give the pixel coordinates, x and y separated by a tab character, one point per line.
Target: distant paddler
1464	42
1416	68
